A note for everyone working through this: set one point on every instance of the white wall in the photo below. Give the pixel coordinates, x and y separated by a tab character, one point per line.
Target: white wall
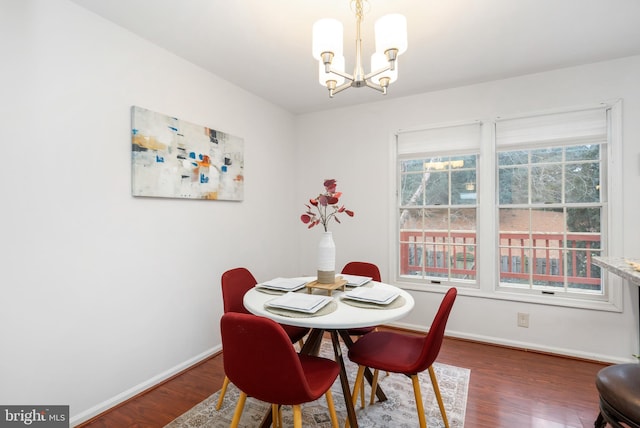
104	294
354	145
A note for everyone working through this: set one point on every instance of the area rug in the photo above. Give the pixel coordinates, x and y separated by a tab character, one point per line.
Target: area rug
399	411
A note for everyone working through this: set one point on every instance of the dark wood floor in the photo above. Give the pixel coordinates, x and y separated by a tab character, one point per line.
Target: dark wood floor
508	388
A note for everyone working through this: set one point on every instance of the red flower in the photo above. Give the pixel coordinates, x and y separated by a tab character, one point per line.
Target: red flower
330	185
327	206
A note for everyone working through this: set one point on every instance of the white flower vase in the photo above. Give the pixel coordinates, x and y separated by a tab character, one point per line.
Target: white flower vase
326	259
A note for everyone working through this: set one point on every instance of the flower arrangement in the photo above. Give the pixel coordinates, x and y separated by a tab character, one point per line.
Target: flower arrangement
326	205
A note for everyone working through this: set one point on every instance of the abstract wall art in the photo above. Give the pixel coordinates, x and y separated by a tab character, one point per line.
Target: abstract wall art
172	158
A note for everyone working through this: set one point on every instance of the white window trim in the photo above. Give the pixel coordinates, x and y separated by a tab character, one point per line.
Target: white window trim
487	224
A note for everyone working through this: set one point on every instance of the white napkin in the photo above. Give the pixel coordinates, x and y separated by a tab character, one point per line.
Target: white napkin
356	280
309	303
284	284
380	296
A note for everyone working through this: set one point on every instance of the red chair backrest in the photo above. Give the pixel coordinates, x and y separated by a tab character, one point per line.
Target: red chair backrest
261	361
235	283
433	340
363	269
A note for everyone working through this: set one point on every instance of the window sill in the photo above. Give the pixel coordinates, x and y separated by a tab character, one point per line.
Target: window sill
549	300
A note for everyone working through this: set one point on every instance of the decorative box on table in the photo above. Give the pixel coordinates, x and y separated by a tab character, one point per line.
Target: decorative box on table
338	283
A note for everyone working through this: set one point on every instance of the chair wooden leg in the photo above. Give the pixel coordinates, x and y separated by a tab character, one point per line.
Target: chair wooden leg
436	389
418	396
297	416
223	391
238	412
358	383
362	395
332	409
374	386
275	416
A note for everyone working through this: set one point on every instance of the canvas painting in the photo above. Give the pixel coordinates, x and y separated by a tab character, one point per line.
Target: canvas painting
172	158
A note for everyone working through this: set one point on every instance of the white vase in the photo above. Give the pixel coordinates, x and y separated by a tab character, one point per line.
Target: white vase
326	259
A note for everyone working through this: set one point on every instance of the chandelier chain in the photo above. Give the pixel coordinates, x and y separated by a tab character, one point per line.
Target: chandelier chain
358	6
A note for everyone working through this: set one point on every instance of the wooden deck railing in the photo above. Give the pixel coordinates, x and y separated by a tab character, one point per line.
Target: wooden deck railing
440	254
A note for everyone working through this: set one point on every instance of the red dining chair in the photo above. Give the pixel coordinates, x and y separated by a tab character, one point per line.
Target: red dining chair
261	361
372	271
235	283
362	269
407	354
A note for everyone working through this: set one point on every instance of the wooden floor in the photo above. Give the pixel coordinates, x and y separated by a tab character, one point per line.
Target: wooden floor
508	388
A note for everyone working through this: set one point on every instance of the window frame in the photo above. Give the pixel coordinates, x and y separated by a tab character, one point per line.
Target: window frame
448	232
562	206
487	227
448	134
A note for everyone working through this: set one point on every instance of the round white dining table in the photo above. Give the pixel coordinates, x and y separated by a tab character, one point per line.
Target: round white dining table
346	316
342	316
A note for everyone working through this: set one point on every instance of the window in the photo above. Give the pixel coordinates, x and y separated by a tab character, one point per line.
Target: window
512	208
551	201
438	204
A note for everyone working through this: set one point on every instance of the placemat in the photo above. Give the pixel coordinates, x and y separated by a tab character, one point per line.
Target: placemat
397	303
330	307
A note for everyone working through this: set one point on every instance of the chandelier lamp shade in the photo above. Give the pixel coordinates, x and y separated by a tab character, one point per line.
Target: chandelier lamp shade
390	39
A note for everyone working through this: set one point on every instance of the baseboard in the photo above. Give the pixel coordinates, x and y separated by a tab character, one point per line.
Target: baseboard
525	346
141	388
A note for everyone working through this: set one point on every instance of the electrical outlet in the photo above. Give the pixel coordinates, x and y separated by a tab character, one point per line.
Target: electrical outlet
523	319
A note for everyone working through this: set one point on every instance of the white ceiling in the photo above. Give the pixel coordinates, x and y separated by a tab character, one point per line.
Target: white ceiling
264	46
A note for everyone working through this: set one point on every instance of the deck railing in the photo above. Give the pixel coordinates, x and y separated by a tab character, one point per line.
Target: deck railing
441	254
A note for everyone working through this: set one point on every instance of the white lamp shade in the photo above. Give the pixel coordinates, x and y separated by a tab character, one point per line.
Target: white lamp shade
327	37
391	33
337	64
378	61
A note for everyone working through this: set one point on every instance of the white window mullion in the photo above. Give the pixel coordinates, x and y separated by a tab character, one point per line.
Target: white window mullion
488	271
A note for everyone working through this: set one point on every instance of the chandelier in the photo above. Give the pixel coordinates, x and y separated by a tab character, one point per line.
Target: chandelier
391	41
